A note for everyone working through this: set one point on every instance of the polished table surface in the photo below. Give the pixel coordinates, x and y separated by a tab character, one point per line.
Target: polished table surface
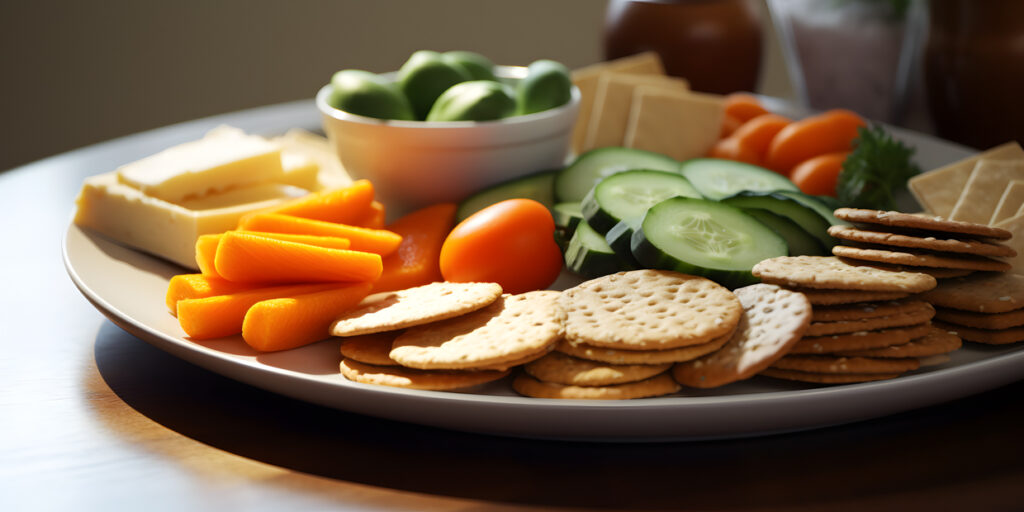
92	418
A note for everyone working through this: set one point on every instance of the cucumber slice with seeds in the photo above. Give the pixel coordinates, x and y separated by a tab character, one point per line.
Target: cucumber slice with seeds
588	255
716	178
627	195
800	242
804	216
567	216
573	183
706	238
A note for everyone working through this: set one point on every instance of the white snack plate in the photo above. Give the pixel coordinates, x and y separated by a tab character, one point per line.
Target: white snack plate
129	287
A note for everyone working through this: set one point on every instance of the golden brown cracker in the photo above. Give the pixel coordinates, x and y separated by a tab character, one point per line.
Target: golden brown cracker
846	364
922	259
986	336
943	244
921	222
981	320
937	341
401	377
773	321
846	297
564	369
859	340
901	319
370	348
620	356
648	309
829	272
866	310
388	311
658	385
981	293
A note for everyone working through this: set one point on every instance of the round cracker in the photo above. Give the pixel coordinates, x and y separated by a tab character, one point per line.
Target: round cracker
559	368
512	328
859	340
981	293
845	364
936	342
922	259
773	320
658	385
845	297
917	221
968	246
619	356
389	311
981	320
986	336
936	272
866	310
370	348
900	319
400	377
648	310
826	378
829	272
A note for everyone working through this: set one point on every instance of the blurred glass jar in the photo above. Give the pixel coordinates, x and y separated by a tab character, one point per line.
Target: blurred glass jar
855	54
974	70
714	44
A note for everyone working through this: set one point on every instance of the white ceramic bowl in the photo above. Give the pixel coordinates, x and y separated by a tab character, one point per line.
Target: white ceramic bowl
417	163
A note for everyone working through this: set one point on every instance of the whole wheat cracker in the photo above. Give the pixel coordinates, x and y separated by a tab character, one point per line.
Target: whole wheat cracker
388	311
981	293
986	336
512	328
370	348
560	368
901	319
401	377
859	340
829	272
981	320
826	378
846	364
936	272
846	297
921	222
922	258
936	342
861	310
773	320
621	356
658	385
944	244
648	309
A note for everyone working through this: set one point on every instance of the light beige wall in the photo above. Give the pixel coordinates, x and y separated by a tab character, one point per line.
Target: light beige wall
78	72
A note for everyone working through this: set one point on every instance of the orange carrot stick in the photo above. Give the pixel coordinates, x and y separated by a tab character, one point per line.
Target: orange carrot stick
757	134
819	175
829	132
743	106
222	315
416	262
247	258
285	323
377	241
197	286
374	217
343	205
206	246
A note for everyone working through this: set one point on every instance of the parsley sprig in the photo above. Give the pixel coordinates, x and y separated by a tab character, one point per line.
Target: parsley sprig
878	168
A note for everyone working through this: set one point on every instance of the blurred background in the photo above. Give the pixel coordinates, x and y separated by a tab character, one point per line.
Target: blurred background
76	73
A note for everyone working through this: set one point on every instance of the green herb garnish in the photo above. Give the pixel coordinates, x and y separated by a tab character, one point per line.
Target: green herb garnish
878	168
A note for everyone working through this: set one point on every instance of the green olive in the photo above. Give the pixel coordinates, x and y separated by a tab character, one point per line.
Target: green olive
425	76
477	100
547	85
366	94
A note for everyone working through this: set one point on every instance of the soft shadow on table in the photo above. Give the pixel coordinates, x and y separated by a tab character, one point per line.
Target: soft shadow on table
964	453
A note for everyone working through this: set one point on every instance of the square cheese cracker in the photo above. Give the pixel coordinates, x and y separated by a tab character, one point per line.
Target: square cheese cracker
1010	204
613	101
682	125
988	181
937	191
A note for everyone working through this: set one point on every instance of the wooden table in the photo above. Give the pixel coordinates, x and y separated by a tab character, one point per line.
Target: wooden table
92	418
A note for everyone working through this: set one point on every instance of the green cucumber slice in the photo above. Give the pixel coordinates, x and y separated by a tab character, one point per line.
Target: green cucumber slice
538	186
716	178
627	195
573	183
588	255
817	205
567	216
800	242
804	216
706	238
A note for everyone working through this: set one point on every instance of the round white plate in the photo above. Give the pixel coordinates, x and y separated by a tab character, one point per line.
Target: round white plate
129	287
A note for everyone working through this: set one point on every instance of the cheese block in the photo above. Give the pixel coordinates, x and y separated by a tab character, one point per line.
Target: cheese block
225	158
937	191
682	125
613	101
987	181
166	229
299	148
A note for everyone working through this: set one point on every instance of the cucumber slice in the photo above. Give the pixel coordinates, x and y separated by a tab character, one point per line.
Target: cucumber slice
573	183
627	195
817	205
538	186
716	178
804	216
589	255
707	238
567	216
800	242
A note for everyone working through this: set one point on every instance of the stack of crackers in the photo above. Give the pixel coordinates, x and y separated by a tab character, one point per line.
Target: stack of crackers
987	188
631	102
867	323
983	308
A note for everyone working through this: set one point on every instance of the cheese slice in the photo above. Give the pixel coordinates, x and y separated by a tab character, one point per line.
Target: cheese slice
937	191
682	125
166	229
1011	202
987	181
586	80
223	159
299	149
613	102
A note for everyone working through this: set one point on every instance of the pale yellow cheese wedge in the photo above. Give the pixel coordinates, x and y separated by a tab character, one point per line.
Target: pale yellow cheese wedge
937	191
682	125
301	148
613	102
223	159
586	80
1011	202
987	182
166	229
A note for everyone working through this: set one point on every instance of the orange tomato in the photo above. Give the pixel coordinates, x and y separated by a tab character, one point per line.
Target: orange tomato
830	132
743	106
818	176
511	243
